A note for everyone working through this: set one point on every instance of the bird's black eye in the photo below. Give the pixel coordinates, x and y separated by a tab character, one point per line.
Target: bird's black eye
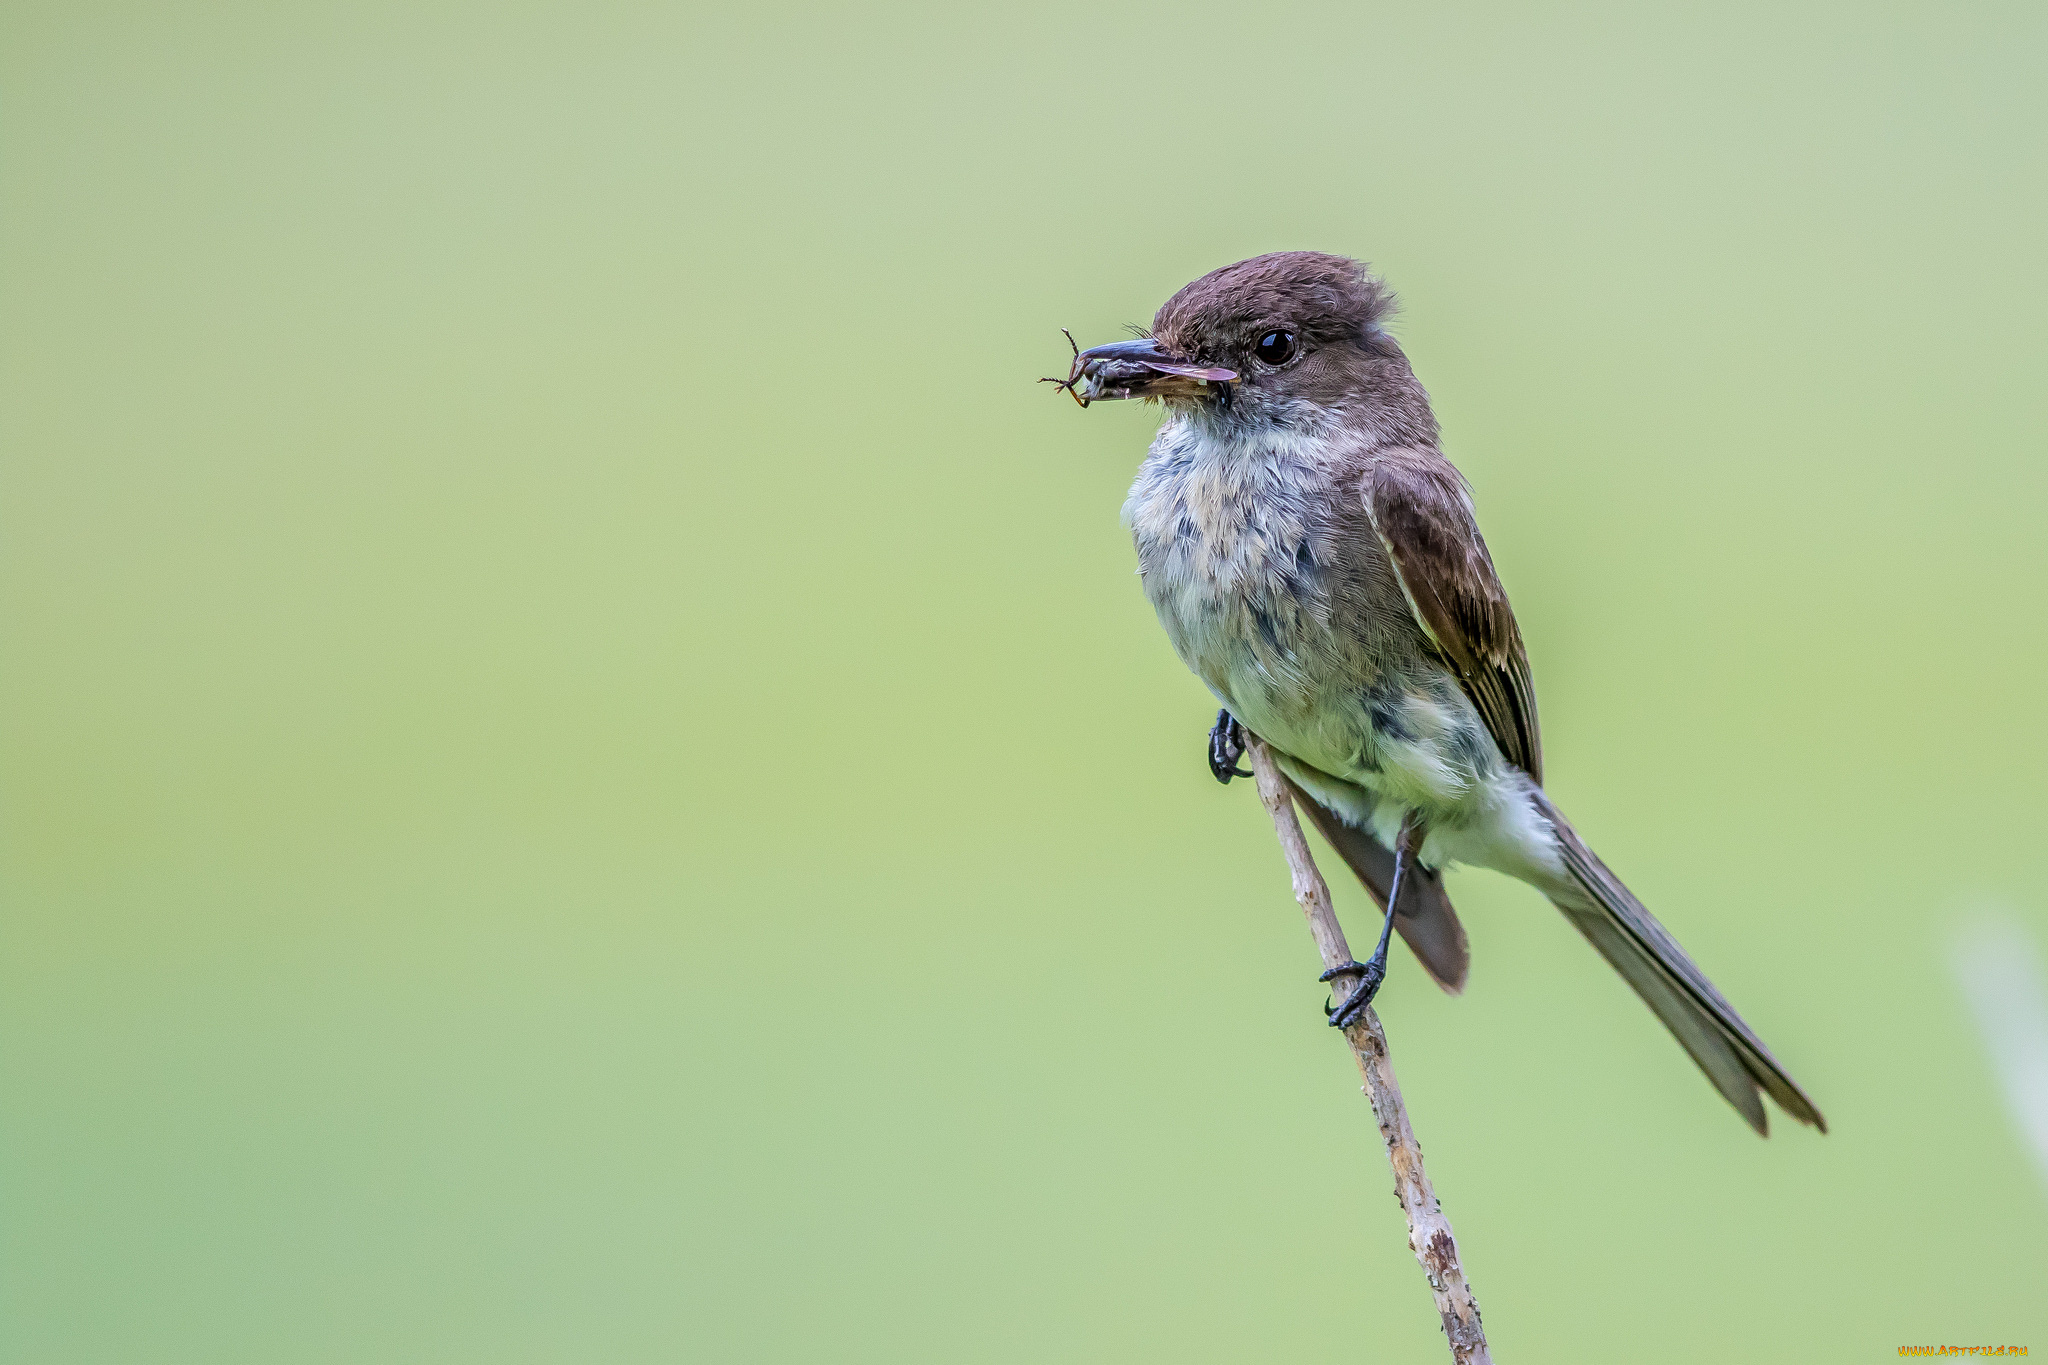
1275	348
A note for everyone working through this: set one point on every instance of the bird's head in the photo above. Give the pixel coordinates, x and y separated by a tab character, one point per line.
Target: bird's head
1257	340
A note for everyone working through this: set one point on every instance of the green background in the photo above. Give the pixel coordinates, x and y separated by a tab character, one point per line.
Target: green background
586	778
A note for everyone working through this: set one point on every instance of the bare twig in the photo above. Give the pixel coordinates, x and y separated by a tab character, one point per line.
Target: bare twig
1429	1232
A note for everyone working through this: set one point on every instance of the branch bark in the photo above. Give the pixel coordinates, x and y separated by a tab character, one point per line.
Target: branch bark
1429	1231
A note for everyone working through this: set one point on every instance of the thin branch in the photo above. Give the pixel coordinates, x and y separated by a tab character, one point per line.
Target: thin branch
1429	1232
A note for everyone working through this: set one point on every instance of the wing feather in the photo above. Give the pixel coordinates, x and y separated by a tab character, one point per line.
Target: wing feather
1422	513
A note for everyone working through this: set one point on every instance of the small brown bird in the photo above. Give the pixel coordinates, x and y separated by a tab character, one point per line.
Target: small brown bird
1316	561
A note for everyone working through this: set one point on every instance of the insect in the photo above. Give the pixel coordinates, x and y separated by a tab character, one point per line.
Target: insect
1133	369
1066	385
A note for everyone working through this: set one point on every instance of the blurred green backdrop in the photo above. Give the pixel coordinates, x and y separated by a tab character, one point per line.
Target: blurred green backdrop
587	780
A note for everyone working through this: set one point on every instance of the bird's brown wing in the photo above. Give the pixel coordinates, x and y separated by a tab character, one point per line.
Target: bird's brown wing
1422	511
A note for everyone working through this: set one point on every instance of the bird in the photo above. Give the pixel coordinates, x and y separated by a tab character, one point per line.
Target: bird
1316	560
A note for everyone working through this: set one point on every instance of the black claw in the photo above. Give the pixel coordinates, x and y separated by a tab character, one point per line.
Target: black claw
1226	746
1370	975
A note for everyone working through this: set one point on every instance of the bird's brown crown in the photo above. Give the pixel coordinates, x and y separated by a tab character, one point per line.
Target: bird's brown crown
1322	297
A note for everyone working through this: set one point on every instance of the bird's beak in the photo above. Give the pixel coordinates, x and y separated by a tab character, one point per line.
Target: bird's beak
1141	369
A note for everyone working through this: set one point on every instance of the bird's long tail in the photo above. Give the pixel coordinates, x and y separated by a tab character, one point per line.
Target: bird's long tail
1650	960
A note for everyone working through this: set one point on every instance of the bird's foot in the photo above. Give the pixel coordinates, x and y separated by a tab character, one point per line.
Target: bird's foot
1370	975
1226	746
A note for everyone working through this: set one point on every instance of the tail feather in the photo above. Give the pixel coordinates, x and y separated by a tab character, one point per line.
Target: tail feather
1426	920
1650	960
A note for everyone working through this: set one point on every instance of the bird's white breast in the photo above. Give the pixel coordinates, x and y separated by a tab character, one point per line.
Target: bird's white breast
1236	544
1293	620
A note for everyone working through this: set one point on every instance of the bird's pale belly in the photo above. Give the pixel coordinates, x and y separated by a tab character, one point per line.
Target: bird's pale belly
1311	645
1404	741
1373	746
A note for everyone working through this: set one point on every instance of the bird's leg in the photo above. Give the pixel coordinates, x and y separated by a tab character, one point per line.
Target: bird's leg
1373	970
1226	746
